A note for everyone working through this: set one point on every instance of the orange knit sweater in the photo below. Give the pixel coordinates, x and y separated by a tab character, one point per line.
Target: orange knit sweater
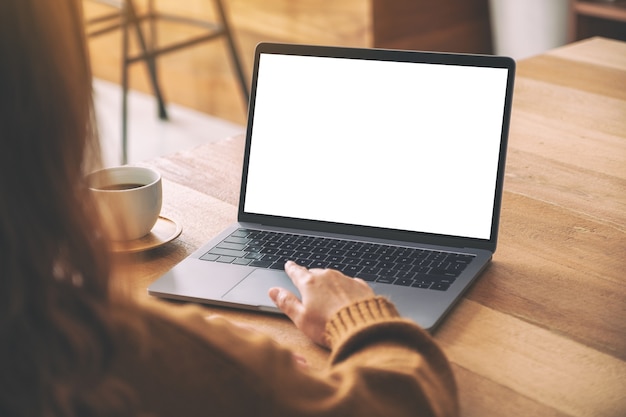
183	364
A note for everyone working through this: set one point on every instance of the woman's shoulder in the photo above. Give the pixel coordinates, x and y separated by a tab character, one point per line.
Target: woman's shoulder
156	325
180	357
155	319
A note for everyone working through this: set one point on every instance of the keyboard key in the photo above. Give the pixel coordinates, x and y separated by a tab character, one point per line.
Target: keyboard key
404	260
318	264
371	270
370	248
420	269
209	257
386	250
440	286
240	233
402	267
351	270
405	275
335	244
236	239
254	248
386	280
356	246
387	272
366	277
225	259
336	265
334	258
228	252
368	263
234	246
458	266
321	249
286	253
404	281
388	258
443	272
461	258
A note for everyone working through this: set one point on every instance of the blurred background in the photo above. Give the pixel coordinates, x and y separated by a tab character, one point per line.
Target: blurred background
202	77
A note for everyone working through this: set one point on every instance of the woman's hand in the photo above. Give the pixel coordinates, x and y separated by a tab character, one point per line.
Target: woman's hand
324	292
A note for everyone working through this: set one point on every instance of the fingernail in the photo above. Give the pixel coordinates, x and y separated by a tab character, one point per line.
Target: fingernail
273	293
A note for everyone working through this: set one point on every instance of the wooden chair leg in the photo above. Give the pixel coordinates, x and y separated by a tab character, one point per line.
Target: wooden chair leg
130	18
150	59
234	55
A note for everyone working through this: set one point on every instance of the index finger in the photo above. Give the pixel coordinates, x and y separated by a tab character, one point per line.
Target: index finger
295	272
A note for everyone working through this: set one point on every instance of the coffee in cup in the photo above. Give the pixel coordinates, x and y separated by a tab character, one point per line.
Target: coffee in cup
129	199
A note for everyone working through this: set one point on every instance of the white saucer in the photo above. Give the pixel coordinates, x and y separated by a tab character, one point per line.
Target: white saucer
164	231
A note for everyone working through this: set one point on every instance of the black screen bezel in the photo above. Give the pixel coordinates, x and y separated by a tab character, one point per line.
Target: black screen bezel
397	56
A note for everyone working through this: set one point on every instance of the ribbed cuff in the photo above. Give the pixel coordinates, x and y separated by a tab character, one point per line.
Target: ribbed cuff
360	314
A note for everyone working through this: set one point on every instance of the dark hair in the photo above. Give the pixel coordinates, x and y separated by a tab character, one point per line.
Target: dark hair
55	300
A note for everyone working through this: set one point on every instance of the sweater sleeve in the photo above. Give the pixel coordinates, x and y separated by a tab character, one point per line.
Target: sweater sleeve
391	357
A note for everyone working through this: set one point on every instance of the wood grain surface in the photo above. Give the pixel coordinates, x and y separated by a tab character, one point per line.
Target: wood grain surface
543	331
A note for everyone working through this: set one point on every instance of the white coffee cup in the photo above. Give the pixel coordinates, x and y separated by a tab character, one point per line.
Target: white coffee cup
129	199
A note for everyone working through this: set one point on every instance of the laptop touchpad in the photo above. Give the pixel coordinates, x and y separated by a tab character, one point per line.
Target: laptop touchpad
253	289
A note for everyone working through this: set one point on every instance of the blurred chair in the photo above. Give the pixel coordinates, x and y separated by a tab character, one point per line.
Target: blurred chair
127	19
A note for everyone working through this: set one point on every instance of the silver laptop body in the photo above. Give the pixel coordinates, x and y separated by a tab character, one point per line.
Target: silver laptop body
404	149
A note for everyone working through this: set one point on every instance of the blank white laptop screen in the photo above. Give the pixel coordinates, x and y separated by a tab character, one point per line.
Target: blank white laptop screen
351	141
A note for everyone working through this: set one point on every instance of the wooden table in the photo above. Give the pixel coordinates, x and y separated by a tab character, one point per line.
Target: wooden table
543	331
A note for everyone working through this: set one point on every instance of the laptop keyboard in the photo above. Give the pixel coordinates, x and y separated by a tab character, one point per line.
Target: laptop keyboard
386	264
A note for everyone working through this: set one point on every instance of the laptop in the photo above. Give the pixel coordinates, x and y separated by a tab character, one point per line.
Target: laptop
386	165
